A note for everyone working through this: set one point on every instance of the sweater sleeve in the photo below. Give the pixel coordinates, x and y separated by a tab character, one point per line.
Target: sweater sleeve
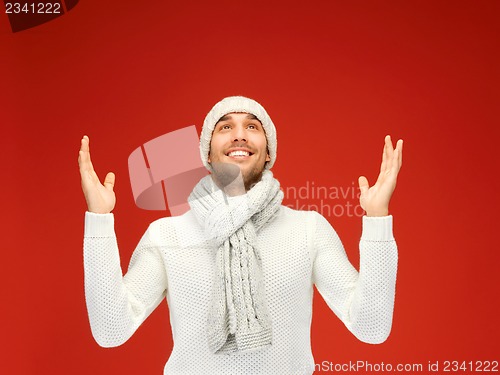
363	300
116	304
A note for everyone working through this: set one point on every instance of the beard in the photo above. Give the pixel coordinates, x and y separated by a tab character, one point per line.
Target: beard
251	177
231	179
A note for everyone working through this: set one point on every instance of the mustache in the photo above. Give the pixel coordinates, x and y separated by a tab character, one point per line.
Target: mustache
239	144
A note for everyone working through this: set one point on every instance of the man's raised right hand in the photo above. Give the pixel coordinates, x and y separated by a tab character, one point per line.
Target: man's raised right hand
100	198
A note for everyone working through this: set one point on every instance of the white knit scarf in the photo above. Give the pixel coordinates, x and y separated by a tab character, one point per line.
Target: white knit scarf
238	318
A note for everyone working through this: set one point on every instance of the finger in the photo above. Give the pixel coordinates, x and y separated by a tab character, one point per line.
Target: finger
88	175
85	164
395	162
386	159
397	158
363	184
383	165
109	181
399	146
388	142
84	155
390	152
85	143
84	149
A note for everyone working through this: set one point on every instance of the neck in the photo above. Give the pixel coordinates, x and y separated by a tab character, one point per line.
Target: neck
230	188
236	186
230	179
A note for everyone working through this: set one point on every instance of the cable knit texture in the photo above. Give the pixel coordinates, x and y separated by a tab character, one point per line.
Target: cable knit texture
238	315
297	248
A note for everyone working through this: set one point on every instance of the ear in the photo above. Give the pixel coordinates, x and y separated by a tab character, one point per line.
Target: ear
209	158
268	158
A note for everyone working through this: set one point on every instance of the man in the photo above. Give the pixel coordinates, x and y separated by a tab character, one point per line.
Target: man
238	269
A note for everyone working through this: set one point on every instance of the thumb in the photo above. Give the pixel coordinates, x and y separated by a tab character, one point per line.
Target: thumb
363	184
109	181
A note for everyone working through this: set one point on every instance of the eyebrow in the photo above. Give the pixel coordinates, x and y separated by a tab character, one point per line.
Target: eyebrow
228	117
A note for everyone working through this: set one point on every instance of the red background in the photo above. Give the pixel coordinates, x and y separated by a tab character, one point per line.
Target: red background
335	76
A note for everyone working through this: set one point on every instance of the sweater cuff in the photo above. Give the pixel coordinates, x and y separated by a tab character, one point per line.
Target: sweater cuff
377	228
99	225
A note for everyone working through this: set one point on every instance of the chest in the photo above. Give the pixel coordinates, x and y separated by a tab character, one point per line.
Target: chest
285	253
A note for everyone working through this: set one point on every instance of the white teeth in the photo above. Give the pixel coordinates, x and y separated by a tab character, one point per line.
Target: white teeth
239	153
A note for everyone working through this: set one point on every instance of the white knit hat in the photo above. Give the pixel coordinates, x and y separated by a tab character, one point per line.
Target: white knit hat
237	104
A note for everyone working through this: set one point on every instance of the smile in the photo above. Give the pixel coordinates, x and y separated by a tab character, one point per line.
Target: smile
239	154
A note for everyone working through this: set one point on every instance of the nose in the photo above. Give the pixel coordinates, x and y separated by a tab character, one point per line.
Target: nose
239	134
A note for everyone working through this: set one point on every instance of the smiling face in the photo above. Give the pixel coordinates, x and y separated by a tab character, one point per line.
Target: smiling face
240	139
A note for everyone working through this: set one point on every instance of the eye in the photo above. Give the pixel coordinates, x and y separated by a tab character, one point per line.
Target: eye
223	127
252	126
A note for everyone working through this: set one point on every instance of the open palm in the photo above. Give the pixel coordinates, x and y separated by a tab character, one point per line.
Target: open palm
100	198
375	200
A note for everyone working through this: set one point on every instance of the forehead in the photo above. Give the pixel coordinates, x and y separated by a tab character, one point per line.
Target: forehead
234	115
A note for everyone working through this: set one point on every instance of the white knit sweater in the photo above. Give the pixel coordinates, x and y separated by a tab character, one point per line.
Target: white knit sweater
298	249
